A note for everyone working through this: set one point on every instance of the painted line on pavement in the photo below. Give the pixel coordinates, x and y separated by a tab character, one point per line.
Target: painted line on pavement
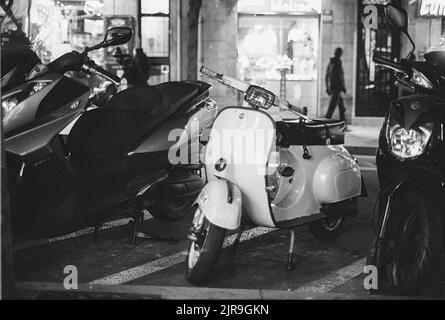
106	226
334	279
170	261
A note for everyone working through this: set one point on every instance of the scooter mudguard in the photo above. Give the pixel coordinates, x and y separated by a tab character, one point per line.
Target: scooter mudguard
221	203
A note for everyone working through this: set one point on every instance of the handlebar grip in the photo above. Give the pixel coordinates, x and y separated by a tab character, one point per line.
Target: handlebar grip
109	75
387	62
210	73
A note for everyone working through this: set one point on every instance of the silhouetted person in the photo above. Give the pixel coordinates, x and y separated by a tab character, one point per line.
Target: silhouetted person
143	62
132	71
335	85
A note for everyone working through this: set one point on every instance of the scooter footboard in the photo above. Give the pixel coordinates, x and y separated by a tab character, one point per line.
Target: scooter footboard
220	201
336	179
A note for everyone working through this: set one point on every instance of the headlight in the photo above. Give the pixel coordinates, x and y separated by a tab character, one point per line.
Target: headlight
421	80
11	101
259	97
408	144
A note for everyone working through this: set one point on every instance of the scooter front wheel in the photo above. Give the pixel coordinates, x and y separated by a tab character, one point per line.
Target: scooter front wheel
204	252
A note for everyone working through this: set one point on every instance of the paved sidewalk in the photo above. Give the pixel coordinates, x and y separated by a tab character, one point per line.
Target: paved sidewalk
362	140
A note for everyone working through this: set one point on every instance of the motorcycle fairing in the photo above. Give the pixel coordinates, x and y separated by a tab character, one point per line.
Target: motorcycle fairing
248	176
33	123
407	111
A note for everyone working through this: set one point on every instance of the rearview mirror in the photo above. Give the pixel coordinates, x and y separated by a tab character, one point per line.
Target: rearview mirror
398	19
113	37
117	36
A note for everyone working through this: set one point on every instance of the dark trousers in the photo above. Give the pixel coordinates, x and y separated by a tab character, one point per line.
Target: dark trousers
336	99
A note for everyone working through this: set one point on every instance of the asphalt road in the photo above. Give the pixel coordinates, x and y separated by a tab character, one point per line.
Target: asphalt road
259	262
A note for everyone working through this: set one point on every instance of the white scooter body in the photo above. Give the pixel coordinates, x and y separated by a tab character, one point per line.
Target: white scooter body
330	176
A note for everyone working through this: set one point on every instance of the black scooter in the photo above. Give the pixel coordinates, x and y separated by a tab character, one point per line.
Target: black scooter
115	160
411	171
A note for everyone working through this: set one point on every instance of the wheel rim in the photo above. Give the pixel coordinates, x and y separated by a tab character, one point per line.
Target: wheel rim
197	246
331	224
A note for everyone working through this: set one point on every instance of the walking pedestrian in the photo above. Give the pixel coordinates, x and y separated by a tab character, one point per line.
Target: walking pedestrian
335	85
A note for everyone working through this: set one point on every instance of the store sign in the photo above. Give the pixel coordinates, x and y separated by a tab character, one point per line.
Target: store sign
295	6
279	6
434	8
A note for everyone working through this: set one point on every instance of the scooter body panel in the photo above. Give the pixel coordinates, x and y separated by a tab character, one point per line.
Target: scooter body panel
221	203
330	176
243	138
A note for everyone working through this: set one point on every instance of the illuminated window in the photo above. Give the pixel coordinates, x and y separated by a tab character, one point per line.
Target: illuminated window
154	22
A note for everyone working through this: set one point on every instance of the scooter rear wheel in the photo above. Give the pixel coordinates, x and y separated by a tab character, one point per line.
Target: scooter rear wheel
170	209
327	228
204	252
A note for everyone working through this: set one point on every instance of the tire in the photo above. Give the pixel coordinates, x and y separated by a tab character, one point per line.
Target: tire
412	245
169	209
207	248
327	229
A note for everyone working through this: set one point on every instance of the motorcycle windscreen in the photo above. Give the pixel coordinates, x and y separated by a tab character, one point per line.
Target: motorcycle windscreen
240	145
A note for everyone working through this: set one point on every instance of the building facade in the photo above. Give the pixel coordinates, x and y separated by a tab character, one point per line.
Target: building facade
284	45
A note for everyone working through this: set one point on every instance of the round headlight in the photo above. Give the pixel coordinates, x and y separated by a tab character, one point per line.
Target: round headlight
411	143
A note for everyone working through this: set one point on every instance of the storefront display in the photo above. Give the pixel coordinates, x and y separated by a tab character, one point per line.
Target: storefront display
57	27
278	45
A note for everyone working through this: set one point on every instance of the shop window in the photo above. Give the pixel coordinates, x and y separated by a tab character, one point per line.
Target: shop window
58	27
268	45
154	22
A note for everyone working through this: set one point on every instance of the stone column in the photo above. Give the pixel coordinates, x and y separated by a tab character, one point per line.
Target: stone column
219	44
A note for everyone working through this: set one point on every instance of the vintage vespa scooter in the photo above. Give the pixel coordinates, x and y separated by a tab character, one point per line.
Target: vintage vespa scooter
282	174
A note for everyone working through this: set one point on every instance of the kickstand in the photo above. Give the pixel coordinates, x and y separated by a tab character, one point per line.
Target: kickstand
238	239
135	224
290	255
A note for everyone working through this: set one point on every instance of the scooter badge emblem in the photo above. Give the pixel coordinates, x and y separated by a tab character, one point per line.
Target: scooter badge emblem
221	165
415	105
241	116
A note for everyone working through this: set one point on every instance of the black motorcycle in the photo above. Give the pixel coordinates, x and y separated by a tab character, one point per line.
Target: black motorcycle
411	172
115	161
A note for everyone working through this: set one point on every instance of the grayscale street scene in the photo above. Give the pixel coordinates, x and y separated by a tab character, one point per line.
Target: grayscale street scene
222	150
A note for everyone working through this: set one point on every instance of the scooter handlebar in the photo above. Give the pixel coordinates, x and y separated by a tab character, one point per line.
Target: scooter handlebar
388	63
110	76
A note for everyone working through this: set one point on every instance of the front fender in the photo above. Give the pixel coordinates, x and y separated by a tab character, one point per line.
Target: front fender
424	179
221	203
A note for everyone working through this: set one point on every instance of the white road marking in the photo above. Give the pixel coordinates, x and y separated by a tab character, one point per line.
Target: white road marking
106	226
334	279
169	261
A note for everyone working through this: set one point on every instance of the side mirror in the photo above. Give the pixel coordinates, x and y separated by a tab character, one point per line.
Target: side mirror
117	36
113	37
398	19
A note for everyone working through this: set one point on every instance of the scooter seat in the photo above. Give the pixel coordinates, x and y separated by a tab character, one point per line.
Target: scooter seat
318	132
130	115
178	92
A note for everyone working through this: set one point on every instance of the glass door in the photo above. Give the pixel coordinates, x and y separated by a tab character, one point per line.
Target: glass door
375	85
